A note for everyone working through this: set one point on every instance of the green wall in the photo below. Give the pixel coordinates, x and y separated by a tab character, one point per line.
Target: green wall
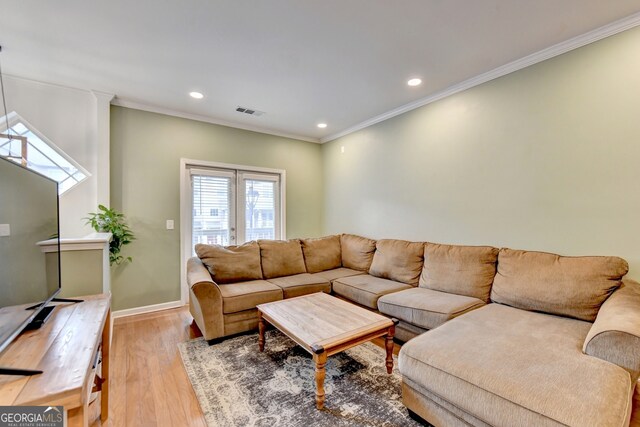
145	178
546	158
81	273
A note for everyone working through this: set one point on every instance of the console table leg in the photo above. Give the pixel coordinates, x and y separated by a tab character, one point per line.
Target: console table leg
389	347
260	331
321	360
106	346
78	417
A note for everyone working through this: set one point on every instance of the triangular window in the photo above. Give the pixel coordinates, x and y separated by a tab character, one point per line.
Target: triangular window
35	151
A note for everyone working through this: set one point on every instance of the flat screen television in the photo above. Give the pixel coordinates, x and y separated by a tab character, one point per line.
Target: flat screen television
29	277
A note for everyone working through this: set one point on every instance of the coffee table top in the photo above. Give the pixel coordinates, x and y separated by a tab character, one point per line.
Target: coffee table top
321	321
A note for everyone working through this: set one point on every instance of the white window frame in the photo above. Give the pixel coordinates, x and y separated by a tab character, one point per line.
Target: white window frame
244	171
13	118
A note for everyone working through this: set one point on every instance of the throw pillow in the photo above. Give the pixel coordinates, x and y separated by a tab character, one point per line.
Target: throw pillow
229	264
568	286
322	253
357	252
461	270
398	260
281	258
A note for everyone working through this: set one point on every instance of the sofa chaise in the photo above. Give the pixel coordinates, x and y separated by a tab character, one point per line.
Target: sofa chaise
557	346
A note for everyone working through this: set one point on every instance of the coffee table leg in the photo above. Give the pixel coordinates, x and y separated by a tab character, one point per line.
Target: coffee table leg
321	360
260	331
389	345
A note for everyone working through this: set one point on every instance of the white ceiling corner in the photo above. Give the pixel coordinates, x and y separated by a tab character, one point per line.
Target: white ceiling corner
534	58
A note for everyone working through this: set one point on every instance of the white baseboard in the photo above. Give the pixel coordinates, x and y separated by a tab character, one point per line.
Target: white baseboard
146	309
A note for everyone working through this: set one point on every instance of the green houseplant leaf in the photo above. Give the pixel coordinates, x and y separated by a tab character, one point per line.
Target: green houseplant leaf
108	220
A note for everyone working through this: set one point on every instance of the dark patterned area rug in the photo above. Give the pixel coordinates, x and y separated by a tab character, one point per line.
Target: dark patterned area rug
237	385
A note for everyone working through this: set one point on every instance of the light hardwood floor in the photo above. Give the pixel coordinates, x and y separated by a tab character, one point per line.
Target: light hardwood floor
149	386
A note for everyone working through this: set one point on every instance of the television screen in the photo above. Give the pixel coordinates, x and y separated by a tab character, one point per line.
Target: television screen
28	275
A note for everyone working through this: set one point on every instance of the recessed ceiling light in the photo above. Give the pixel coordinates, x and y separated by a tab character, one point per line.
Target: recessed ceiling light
196	95
322	125
414	82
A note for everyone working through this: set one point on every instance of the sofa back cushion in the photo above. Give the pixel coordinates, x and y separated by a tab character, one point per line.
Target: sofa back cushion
322	253
229	264
567	286
461	270
281	258
398	260
357	252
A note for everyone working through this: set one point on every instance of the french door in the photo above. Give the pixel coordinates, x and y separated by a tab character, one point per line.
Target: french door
233	206
228	205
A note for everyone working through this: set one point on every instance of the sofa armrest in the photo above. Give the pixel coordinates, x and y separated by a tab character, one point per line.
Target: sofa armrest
615	334
205	300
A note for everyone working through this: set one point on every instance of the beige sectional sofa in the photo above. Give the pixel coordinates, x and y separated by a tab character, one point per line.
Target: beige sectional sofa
494	337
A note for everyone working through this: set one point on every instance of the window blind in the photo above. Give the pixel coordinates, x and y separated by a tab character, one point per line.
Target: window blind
211	216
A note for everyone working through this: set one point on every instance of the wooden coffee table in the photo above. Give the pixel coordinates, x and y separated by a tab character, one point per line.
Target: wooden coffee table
324	325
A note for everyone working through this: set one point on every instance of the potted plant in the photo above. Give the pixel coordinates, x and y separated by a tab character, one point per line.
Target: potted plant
108	220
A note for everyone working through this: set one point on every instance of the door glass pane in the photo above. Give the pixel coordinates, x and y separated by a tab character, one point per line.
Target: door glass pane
260	209
211	210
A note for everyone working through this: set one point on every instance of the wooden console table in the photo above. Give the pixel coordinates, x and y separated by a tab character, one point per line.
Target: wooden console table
68	349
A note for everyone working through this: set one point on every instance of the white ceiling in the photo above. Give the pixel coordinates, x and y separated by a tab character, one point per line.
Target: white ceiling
302	62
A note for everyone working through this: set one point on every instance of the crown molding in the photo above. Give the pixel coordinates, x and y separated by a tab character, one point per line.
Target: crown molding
116	100
600	33
200	118
43	83
105	96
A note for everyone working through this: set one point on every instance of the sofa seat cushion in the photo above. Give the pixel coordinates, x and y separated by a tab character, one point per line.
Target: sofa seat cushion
398	260
246	295
322	253
337	273
301	284
406	331
365	289
426	308
507	366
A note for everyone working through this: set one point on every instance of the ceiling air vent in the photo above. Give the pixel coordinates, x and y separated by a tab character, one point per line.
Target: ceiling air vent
250	111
